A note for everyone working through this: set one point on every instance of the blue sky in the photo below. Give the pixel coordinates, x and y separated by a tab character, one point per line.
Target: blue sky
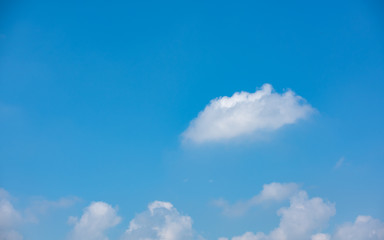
100	103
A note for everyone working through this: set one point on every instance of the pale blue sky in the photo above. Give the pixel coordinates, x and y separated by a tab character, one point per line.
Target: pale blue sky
95	96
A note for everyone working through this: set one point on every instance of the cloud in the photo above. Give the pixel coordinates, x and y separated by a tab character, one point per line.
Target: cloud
10	218
364	228
320	236
298	221
97	218
271	192
161	221
339	163
302	217
305	217
244	113
250	236
40	206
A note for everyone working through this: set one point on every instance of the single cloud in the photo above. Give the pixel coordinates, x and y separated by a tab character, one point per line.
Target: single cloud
271	192
244	113
97	218
160	221
10	218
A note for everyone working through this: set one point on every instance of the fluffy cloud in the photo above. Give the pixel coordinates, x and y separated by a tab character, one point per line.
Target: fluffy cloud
364	228
245	113
97	218
9	218
302	217
298	221
160	221
271	192
306	216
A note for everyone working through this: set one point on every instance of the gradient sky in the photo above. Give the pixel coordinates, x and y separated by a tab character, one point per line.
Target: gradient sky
95	97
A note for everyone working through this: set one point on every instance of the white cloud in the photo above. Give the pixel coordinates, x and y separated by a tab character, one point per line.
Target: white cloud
364	228
298	221
305	217
302	217
244	113
320	236
276	191
160	221
271	192
97	218
9	218
251	236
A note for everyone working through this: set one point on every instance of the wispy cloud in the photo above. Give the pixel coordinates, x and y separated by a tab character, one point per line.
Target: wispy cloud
339	163
12	219
271	192
41	206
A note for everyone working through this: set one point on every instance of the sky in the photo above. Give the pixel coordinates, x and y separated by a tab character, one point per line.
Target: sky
192	120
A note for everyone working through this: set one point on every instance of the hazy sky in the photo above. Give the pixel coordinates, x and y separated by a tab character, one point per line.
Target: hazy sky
180	120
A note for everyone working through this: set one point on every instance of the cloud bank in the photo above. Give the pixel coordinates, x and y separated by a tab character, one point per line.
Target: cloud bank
303	219
245	113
